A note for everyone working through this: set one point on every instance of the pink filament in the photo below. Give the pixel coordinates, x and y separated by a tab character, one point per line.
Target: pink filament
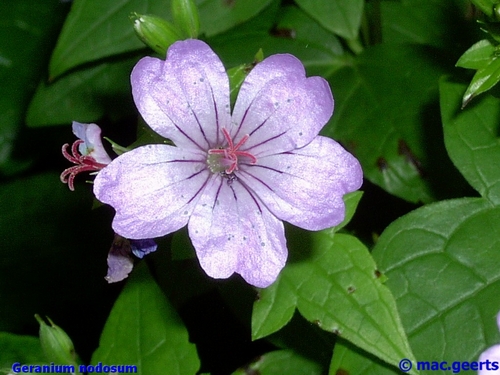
232	152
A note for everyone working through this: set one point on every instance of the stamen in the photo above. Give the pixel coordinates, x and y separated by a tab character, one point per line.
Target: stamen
231	153
84	163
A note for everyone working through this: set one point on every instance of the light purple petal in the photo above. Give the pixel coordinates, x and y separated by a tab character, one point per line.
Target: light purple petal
493	355
186	97
279	107
90	134
305	187
152	188
120	263
234	232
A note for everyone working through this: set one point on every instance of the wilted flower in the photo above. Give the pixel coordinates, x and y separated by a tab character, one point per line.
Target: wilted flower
120	261
490	358
231	178
87	152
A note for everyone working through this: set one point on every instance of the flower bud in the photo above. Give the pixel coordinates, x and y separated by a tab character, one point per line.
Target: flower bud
155	32
56	344
186	17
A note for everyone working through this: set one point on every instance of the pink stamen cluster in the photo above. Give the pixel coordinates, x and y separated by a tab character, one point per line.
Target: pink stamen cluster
232	152
84	163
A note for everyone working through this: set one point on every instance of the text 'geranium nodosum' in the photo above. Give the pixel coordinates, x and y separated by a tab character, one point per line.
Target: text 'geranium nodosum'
234	178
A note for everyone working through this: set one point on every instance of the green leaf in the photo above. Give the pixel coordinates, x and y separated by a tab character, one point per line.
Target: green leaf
342	17
483	80
281	362
26	32
486	6
336	286
17	348
349	359
471	138
477	56
381	102
438	23
95	29
351	201
217	16
236	77
441	261
305	29
85	95
143	329
295	33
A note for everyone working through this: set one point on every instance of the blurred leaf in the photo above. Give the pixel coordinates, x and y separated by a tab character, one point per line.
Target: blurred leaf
343	17
17	348
50	264
336	286
477	56
85	95
217	16
302	27
471	138
486	6
442	266
483	80
143	329
296	33
438	23
281	362
381	102
26	29
95	29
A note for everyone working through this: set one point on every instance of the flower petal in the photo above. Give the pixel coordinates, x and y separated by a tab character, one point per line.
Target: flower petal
305	187
232	231
120	263
186	97
493	355
279	107
153	189
90	134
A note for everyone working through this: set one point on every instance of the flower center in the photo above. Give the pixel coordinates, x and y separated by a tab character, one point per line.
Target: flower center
226	159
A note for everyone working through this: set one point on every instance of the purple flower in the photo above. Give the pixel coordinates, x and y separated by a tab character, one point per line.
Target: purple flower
489	356
87	153
234	178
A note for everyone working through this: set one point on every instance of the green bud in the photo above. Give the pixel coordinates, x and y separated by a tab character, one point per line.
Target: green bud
56	344
186	17
155	32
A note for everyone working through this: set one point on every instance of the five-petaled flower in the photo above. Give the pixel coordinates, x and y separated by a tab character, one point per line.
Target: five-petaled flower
87	152
232	179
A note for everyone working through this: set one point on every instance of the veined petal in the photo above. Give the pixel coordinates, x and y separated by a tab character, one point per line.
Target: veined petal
232	231
153	189
279	107
305	187
186	97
